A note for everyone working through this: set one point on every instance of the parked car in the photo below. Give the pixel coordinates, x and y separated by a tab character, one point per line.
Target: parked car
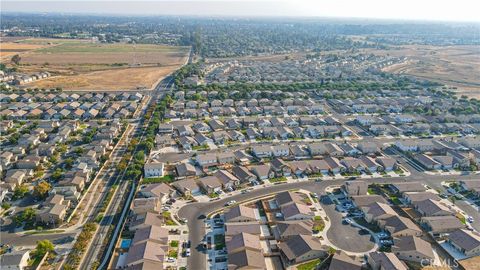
382	235
347	220
386	242
230	203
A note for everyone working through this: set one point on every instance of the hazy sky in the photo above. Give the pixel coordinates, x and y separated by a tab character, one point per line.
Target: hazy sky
445	10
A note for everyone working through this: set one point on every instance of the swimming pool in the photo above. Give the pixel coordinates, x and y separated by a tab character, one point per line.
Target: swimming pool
125	243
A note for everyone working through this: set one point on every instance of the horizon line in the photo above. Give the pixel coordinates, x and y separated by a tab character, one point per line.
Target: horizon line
244	16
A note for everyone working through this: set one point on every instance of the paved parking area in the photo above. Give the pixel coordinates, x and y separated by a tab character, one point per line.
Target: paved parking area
344	236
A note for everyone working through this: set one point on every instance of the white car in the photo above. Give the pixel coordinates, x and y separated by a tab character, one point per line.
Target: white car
470	219
170	260
382	235
187	252
231	202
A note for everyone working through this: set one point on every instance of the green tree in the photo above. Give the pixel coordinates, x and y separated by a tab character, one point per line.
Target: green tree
57	174
79	150
20	191
43	247
41	190
69	163
16	59
28	214
6	206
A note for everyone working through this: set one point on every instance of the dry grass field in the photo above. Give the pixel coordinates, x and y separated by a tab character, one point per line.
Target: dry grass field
456	66
114	79
82	64
8	49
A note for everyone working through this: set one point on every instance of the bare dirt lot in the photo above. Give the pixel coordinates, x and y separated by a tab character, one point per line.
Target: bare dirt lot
114	79
456	66
10	48
86	65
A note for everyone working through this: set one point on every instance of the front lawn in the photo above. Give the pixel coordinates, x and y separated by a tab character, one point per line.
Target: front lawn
201	147
278	180
154	180
173	253
309	265
167	218
213	195
395	200
318	224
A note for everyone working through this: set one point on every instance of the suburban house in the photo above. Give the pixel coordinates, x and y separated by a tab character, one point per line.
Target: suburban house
399	226
467	242
385	261
207	160
228	180
378	211
296	211
17	260
243	241
407	187
341	261
263	172
52	215
211	184
153	169
412	248
440	225
185	170
158	190
143	205
388	164
300	248
280	167
355	188
247	259
187	187
431	208
240	213
243	174
262	151
286	229
414	197
365	200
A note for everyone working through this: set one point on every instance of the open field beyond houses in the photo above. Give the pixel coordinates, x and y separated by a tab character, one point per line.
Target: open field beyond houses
85	65
456	66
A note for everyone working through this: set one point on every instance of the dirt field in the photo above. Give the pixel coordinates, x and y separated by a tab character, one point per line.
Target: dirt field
115	79
11	48
83	64
456	66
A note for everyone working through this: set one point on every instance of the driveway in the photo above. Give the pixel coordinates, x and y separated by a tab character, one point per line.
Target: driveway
345	236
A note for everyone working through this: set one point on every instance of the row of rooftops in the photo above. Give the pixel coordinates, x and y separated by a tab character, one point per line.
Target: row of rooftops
63	97
74	109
